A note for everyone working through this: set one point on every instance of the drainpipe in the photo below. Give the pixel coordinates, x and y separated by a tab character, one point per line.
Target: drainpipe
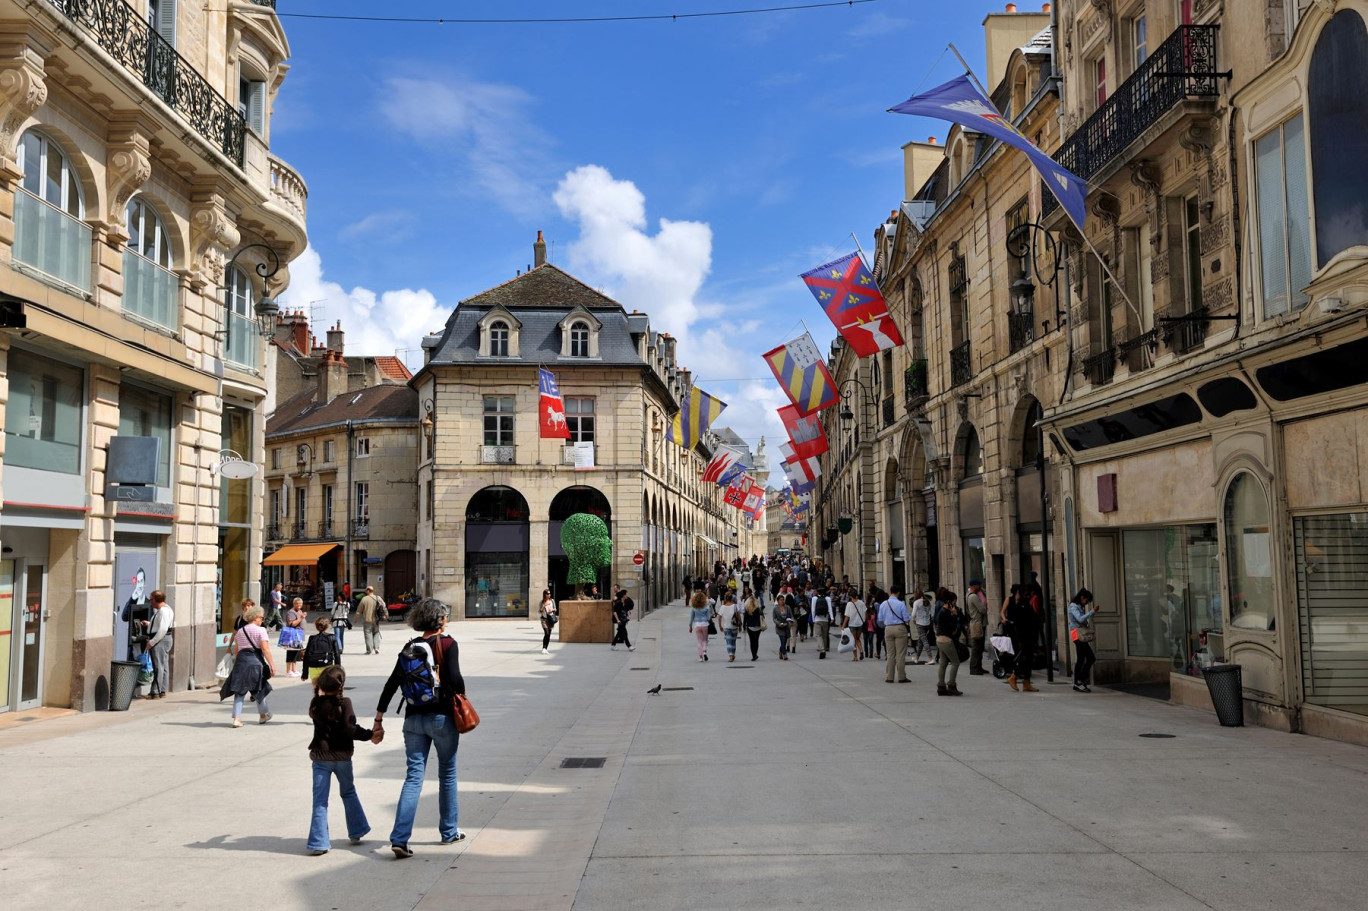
347	492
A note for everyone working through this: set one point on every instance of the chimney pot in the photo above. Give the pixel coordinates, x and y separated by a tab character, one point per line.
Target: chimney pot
1011	7
539	251
930	140
1045	8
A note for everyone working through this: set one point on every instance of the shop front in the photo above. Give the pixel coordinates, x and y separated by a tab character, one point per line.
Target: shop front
497	555
306	571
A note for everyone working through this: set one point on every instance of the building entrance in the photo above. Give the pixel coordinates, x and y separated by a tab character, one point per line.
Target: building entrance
23	594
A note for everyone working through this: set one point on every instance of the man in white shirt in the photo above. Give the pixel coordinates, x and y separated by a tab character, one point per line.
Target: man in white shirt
159	642
921	619
896	620
821	621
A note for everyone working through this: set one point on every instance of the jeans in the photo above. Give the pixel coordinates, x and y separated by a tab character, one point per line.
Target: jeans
896	652
754	636
783	640
880	642
161	666
546	635
260	704
823	634
700	631
421	732
949	656
868	635
620	634
1084	665
357	826
729	634
371	632
338	631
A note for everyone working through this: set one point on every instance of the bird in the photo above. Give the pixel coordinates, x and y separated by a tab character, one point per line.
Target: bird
654	690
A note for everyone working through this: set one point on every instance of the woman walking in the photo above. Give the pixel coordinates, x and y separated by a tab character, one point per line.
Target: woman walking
783	626
428	722
854	621
729	621
753	621
295	619
341	622
949	627
1025	632
1081	611
547	612
699	614
253	665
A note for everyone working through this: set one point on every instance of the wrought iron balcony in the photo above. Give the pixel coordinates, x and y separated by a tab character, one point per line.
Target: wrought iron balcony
1187	332
325	528
1100	368
1184	66
497	455
961	366
361	528
914	384
1020	329
124	33
270	3
300	531
1139	351
275	532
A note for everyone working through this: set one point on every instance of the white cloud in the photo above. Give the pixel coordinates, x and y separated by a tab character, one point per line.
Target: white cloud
877	25
380	227
376	324
486	125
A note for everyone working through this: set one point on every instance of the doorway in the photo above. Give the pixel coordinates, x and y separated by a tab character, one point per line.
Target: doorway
23	596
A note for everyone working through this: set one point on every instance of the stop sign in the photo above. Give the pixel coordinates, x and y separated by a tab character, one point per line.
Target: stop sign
638	558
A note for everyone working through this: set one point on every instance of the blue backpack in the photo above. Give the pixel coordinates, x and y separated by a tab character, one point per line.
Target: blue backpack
417	667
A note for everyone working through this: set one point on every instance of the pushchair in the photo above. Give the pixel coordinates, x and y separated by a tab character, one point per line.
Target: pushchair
1004	656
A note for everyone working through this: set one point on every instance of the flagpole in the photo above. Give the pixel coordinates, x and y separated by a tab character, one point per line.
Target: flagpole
954	50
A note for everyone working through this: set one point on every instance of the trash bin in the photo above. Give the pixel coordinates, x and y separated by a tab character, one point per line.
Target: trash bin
1227	693
123	683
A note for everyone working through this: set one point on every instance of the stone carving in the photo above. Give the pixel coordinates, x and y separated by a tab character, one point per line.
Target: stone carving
212	235
22	91
1214	236
1219	296
127	169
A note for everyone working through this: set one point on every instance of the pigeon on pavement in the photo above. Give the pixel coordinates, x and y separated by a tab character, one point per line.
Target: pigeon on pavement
654	690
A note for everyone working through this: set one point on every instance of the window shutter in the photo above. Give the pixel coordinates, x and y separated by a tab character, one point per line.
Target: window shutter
166	21
256	106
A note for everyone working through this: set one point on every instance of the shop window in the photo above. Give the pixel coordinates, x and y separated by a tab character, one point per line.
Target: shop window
1337	88
144	413
1172	595
1332	600
1249	554
43	418
1284	228
579	418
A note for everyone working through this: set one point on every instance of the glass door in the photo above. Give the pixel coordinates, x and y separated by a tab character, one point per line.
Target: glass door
7	646
31	648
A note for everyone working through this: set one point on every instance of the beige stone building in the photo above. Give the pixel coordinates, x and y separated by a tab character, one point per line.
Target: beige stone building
135	167
493	494
341	470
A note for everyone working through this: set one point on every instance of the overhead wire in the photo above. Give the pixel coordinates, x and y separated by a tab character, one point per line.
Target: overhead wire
565	20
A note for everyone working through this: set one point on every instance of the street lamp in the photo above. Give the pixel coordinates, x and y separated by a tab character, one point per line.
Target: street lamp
267	310
853	388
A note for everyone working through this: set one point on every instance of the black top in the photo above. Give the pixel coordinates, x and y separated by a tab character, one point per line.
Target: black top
449	670
335	729
1025	622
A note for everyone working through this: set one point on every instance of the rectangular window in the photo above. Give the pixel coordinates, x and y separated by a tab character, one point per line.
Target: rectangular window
579	418
277	507
498	420
301	504
1172	595
1192	248
43	420
1332	578
252	103
1284	224
327	504
1139	288
1139	41
362	446
1099	74
362	501
327	450
144	413
275	459
427	505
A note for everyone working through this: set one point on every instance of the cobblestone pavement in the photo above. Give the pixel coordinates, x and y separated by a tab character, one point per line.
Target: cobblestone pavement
809	783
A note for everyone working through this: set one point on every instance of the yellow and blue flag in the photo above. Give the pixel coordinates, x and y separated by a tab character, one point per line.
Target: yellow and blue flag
803	376
696	414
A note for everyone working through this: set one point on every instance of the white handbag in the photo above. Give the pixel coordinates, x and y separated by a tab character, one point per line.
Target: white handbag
847	642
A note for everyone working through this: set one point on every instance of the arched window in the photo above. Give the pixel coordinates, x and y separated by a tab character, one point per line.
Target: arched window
150	287
1337	85
498	339
48	232
579	340
1249	554
1030	436
240	300
973	454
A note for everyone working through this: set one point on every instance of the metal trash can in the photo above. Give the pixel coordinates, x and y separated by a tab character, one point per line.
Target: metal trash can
1226	686
123	683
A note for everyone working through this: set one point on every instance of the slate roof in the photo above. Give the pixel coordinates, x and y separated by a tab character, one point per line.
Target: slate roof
540	299
371	404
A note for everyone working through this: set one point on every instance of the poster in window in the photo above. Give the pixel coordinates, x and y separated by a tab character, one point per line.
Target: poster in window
584	456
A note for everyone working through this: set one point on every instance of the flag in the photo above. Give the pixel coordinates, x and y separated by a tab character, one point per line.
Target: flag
755	499
732	473
804	487
736	492
806	435
798	367
551	411
720	462
803	470
959	101
854	304
696	414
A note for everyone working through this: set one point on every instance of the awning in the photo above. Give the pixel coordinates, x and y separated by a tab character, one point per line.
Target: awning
708	541
299	554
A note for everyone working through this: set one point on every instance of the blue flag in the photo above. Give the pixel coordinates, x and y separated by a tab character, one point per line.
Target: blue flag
959	101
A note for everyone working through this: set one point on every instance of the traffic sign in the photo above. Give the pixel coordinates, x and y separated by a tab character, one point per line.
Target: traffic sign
638	558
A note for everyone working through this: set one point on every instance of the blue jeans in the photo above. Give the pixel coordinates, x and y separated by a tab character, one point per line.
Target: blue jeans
357	826
237	705
783	642
337	634
420	733
729	634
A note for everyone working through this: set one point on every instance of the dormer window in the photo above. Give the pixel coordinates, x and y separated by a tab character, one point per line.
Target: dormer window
579	340
498	339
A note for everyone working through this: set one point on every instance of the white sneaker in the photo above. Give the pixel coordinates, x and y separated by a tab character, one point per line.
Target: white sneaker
613	647
545	652
631	648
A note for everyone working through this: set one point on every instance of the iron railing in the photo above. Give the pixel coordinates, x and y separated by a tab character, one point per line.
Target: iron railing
497	455
1187	332
361	528
124	33
275	532
961	367
325	528
300	531
914	384
1020	329
1138	352
1100	368
270	3
1183	66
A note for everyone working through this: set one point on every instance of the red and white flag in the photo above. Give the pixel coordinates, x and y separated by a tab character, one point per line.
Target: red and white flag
551	410
718	465
737	491
806	434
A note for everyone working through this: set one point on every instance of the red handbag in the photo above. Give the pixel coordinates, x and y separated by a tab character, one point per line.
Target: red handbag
467	719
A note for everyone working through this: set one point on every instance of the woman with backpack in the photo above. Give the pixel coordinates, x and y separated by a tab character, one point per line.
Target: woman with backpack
334	741
547	612
321	650
428	673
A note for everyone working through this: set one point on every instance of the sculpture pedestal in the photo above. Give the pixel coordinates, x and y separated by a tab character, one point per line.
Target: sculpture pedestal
586	621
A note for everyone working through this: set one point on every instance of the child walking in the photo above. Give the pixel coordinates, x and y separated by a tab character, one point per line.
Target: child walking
335	730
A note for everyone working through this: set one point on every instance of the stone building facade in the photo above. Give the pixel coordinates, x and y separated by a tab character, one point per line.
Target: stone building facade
135	165
493	494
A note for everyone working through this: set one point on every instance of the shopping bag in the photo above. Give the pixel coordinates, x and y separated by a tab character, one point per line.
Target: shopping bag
225	668
847	642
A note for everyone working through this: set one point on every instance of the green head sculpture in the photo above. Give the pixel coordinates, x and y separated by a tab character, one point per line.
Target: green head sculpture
586	542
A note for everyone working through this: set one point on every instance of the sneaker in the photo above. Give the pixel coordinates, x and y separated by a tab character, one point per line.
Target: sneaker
237	723
401	851
355	841
613	647
705	657
318	852
545	652
1078	688
631	648
459	836
265	718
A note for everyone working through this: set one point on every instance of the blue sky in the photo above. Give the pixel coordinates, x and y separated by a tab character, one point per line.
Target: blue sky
689	169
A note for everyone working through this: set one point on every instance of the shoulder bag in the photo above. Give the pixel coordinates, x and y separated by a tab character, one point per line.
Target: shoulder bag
464	714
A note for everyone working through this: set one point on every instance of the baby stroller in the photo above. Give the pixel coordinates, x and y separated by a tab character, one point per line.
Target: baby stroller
1003	656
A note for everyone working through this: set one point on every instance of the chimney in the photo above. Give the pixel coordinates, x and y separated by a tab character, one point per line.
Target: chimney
920	160
335	336
1004	32
1045	8
332	377
1011	7
539	251
670	343
300	338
